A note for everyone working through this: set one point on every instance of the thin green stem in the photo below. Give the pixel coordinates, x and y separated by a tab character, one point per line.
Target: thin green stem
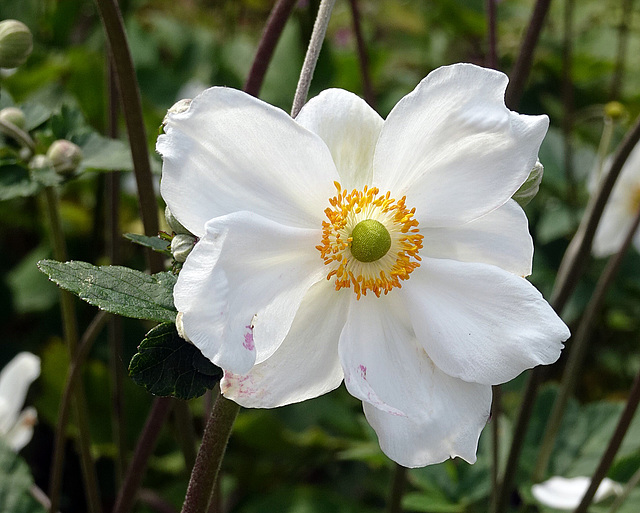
495	442
17	134
567	99
363	57
623	44
132	109
313	52
522	67
577	353
614	445
70	328
272	32
63	411
209	458
605	143
145	446
628	488
398	485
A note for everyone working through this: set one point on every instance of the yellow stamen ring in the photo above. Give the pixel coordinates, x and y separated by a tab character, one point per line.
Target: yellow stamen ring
355	245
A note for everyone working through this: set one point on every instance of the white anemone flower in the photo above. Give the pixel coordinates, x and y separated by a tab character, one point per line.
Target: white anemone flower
621	209
16	428
385	253
567	493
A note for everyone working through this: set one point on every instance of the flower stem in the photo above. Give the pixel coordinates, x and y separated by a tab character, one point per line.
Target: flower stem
614	443
363	58
132	109
272	32
209	458
144	448
492	53
623	45
17	134
628	488
397	489
567	99
521	70
70	329
577	353
313	52
63	411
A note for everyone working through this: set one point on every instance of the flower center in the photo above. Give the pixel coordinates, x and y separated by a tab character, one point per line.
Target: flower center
370	241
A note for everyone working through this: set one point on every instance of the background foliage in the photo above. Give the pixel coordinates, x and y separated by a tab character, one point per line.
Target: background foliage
319	456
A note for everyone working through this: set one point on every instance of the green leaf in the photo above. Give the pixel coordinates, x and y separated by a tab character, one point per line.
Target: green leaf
16	183
15	484
156	243
103	154
116	289
166	364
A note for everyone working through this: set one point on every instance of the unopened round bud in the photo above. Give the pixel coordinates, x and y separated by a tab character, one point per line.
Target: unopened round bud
530	188
16	43
13	115
614	110
181	246
173	223
65	155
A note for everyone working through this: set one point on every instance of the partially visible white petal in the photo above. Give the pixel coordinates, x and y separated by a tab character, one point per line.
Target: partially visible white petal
241	286
15	379
499	238
567	493
350	128
421	415
480	323
454	148
230	152
22	431
306	364
614	225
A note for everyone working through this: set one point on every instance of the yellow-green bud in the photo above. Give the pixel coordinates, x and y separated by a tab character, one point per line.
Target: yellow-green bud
614	110
14	116
65	156
181	246
370	241
530	188
16	43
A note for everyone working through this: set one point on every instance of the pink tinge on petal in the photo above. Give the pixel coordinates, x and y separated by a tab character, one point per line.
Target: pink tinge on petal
248	339
358	386
238	384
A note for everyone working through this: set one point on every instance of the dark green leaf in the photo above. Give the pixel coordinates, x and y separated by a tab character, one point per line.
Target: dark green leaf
168	365
155	243
16	183
15	484
116	289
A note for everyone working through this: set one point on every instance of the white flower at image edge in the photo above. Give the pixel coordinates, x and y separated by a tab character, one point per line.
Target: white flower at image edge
16	427
385	253
567	493
621	208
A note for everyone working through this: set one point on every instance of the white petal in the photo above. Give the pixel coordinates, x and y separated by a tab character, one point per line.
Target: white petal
241	286
567	493
230	151
22	432
499	238
15	379
614	225
306	364
350	128
480	323
454	148
421	415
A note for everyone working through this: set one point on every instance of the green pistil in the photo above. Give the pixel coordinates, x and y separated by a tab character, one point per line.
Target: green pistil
370	241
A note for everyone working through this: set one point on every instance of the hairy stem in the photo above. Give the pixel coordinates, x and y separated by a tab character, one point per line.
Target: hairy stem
272	32
209	458
363	57
146	444
313	52
522	68
398	485
132	109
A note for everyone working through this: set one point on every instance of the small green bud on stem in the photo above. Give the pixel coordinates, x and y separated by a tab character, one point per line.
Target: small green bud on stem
16	43
65	156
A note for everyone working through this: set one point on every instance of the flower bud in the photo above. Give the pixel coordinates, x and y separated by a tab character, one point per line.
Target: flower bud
181	246
16	43
530	187
13	115
614	110
173	223
65	155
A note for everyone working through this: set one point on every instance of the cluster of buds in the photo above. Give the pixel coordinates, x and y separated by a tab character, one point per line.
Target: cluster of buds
183	241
